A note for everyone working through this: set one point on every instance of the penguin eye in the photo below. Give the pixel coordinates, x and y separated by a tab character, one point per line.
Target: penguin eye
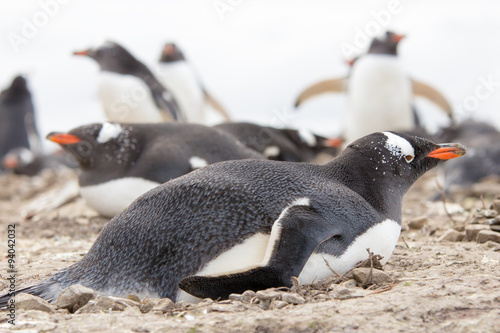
409	158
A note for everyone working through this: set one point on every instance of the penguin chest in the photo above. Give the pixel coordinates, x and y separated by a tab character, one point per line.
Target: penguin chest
112	197
180	79
126	98
380	239
379	97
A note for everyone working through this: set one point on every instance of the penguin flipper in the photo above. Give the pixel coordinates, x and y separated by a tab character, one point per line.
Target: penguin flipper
424	90
216	105
168	106
326	86
293	239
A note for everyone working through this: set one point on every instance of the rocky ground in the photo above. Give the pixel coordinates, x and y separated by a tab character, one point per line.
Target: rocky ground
444	275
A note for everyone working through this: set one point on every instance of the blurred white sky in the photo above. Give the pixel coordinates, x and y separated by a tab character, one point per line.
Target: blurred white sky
257	58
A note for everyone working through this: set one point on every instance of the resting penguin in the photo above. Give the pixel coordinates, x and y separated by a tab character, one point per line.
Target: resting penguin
128	90
254	224
178	76
17	119
282	144
379	93
119	162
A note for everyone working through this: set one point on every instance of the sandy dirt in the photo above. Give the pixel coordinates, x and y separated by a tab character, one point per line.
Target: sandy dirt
438	286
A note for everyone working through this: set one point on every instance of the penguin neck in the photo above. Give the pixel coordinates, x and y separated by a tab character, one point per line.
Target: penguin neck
378	188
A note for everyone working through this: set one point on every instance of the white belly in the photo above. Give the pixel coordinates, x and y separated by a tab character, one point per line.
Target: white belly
181	81
379	97
380	239
127	99
112	197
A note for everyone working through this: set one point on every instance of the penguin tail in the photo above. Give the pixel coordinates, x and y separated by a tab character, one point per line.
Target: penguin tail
49	290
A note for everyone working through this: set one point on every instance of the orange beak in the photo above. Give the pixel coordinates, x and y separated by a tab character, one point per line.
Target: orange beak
397	38
333	143
82	53
10	162
448	151
63	138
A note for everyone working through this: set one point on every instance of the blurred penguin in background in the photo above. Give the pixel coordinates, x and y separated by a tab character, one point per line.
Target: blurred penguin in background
128	90
18	129
179	77
379	93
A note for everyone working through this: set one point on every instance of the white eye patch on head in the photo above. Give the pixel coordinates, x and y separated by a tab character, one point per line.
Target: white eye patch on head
399	146
108	131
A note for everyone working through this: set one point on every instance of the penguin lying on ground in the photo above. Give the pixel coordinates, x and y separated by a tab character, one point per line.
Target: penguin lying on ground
22	161
17	119
178	76
379	93
119	162
128	90
251	224
483	159
282	144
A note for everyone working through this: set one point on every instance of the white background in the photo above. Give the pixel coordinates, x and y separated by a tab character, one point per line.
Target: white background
254	58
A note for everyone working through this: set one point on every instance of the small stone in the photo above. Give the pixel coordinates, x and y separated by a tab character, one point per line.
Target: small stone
276	304
418	223
378	277
342	293
134	298
181	305
452	236
74	297
490	245
472	230
247	296
30	302
164	305
268	294
349	283
292	298
148	304
235	297
109	303
488	235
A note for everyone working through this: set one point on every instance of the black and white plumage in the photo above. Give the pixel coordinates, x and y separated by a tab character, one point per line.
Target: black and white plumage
179	77
250	224
379	92
119	161
282	144
17	119
128	90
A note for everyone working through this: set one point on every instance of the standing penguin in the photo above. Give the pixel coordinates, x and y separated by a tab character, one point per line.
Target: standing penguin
119	162
251	224
128	90
379	93
282	144
17	119
178	76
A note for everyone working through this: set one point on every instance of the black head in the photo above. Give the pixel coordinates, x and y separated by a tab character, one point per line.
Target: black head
18	87
107	146
171	53
381	167
112	57
388	44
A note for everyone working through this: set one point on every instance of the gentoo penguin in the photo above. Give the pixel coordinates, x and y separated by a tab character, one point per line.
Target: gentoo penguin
22	161
282	144
17	119
483	158
119	162
253	224
178	76
128	90
379	93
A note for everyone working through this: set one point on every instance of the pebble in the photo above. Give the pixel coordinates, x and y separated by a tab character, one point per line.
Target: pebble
276	304
362	275
164	305
292	298
148	304
268	294
30	302
488	235
452	236
418	223
472	230
74	297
